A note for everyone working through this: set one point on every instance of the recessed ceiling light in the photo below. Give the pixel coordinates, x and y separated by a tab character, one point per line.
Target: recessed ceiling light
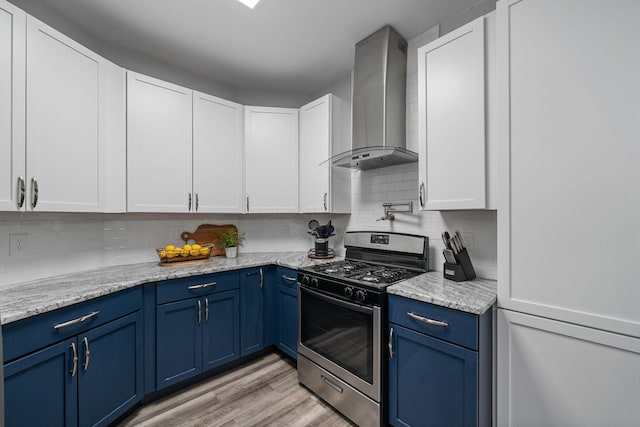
249	3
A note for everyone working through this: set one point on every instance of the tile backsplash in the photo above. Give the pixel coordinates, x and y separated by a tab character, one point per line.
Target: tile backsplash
64	243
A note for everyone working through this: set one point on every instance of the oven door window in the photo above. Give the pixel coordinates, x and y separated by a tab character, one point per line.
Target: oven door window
340	331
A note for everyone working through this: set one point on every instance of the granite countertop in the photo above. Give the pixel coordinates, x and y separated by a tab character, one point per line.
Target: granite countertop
27	299
31	298
474	296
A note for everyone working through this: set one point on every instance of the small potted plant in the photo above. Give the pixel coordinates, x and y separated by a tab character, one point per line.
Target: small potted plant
230	240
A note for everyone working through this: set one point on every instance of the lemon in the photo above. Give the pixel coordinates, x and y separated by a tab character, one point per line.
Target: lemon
163	254
196	246
169	248
170	254
204	251
187	247
184	253
194	252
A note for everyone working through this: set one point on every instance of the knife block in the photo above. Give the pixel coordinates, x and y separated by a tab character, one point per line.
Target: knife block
461	271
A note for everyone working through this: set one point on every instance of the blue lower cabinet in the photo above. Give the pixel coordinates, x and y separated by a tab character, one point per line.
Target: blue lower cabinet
287	320
221	329
286	316
40	389
49	388
252	290
178	341
110	376
431	382
439	365
195	335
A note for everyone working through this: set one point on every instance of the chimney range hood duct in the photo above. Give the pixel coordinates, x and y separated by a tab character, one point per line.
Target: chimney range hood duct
379	104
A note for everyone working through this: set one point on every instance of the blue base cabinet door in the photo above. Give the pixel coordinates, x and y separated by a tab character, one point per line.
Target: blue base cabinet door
431	382
221	330
110	372
179	341
41	389
252	309
287	305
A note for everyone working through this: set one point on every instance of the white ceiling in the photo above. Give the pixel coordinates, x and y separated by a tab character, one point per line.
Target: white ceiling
286	45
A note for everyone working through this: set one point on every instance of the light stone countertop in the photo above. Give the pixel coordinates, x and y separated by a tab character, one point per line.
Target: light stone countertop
474	296
28	299
35	297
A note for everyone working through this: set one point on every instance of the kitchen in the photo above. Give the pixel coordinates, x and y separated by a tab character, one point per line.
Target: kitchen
58	243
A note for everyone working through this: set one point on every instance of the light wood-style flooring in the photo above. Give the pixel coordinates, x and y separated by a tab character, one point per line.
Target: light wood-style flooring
263	393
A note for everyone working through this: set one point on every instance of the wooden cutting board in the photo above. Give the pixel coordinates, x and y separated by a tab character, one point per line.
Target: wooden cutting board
209	233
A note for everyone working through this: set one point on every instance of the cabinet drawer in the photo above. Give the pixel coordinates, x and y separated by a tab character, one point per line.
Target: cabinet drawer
33	333
174	290
459	327
287	277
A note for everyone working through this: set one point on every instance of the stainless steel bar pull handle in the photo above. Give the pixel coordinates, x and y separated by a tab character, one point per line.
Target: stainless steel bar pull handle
261	278
206	309
289	279
189	204
21	191
202	286
247	203
87	353
391	343
197	202
78	320
421	194
331	384
199	312
34	192
325	202
74	350
427	320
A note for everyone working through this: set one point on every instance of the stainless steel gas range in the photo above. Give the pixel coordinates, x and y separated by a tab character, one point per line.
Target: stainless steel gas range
342	310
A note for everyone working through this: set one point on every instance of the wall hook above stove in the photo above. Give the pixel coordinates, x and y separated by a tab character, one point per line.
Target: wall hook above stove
391	208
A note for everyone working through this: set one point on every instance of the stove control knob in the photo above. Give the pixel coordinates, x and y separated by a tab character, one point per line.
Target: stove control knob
348	292
306	280
314	282
361	295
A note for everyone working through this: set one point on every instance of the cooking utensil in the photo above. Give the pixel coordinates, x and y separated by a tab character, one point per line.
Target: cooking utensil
330	228
454	246
313	224
460	239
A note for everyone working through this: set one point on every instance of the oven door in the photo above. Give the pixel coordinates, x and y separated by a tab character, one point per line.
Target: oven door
342	337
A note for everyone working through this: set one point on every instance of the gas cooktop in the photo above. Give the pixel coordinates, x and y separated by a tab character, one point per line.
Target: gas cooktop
370	274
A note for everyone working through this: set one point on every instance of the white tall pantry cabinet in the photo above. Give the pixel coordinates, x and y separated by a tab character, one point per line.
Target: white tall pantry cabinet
568	228
271	159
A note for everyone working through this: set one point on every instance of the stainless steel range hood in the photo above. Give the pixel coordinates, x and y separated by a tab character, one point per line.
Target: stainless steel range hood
379	103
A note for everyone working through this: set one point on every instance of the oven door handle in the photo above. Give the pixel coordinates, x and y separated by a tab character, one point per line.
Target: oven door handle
338	302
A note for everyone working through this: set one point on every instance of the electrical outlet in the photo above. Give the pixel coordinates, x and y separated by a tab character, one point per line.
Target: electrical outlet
18	244
469	240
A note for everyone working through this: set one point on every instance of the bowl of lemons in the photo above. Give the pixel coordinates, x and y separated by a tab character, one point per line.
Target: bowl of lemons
173	254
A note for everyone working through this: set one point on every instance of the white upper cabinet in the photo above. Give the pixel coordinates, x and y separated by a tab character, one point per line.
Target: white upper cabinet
12	124
452	76
323	188
159	146
271	159
218	175
66	124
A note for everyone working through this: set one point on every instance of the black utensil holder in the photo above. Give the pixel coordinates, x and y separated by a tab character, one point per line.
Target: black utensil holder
321	247
461	271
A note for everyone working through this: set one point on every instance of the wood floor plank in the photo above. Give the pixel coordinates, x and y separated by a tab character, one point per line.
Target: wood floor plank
263	393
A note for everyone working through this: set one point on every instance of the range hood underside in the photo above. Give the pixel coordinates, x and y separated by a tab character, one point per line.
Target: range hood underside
366	158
